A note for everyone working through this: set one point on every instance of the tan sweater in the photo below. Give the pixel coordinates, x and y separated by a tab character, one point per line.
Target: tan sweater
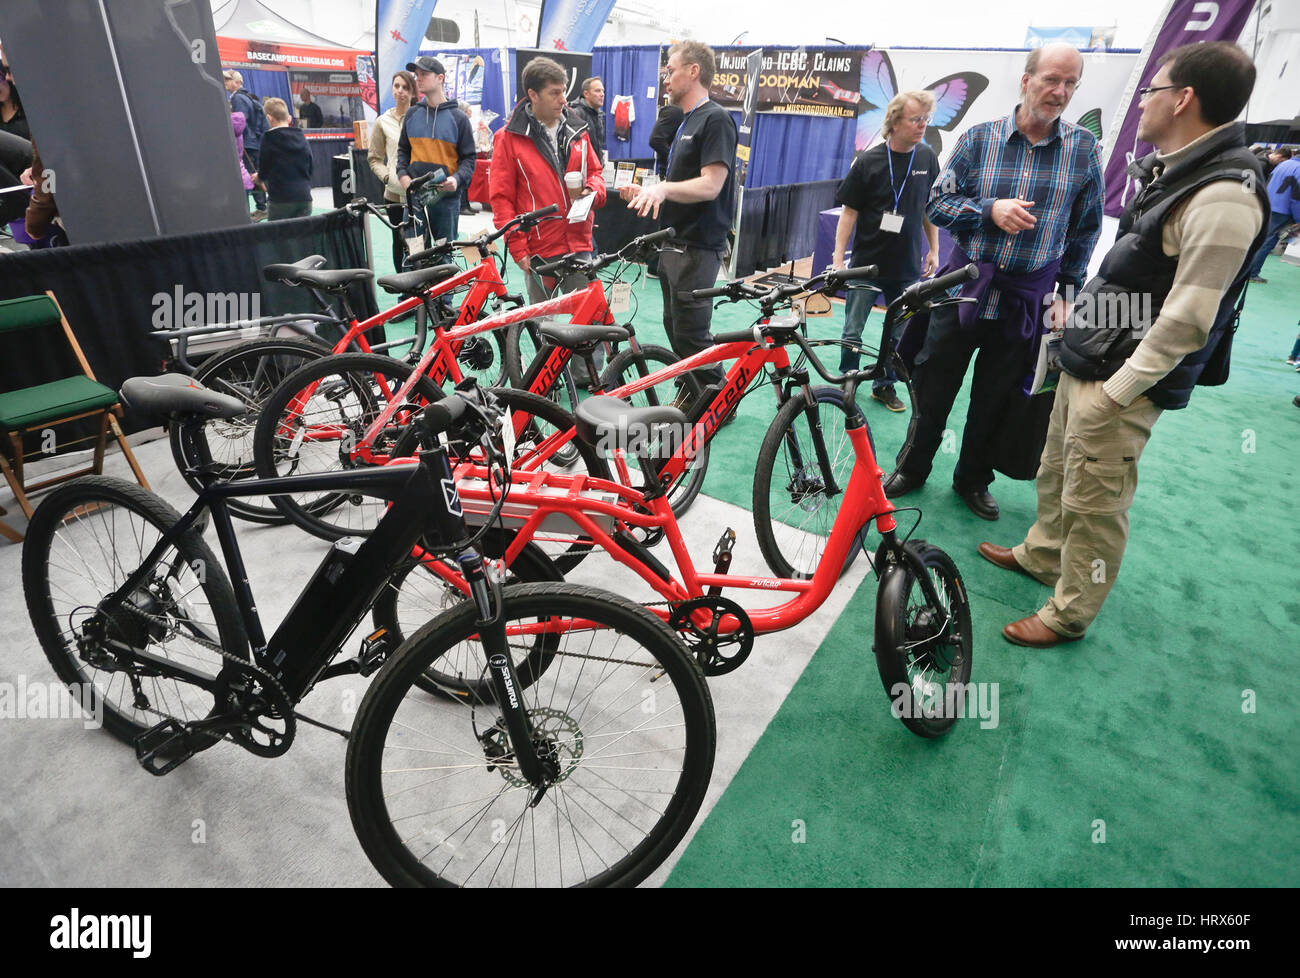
1210	234
382	156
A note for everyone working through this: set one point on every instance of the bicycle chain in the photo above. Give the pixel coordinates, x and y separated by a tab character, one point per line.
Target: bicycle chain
279	699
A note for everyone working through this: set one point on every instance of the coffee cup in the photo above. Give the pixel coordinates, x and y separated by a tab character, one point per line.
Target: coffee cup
573	183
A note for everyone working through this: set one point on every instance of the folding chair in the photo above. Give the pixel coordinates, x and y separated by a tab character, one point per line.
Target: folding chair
60	401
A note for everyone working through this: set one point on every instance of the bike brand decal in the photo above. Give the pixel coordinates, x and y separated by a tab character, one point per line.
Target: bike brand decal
730	397
452	497
498	664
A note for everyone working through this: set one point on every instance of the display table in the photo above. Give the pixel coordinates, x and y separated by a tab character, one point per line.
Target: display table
325	145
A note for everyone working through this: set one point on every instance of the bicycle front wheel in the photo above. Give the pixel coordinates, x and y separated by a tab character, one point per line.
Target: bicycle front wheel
925	666
85	539
250	372
622	716
795	504
317	420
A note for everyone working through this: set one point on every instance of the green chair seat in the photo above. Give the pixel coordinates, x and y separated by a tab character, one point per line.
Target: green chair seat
49	402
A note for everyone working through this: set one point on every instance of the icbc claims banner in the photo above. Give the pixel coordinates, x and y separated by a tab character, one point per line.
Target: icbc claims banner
809	81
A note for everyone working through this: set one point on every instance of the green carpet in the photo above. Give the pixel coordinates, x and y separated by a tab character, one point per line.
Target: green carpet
1138	730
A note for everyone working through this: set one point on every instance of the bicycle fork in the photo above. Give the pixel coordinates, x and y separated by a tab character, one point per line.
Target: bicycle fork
491	623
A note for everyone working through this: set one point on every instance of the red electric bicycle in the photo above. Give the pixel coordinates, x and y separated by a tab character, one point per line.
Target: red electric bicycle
923	635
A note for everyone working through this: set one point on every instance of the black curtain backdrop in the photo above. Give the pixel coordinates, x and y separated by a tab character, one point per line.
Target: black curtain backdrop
779	223
107	292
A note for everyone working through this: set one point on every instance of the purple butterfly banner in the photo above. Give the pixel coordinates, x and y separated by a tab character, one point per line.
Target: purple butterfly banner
1185	22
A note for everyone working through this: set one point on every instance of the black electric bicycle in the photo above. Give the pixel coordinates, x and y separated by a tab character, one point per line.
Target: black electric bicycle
577	753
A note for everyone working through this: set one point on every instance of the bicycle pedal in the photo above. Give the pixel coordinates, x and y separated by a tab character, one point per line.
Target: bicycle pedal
722	557
164	747
375	649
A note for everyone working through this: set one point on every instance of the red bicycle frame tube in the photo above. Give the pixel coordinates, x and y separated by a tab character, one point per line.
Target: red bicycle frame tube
576	498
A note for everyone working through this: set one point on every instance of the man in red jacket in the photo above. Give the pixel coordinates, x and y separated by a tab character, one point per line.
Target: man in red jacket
543	141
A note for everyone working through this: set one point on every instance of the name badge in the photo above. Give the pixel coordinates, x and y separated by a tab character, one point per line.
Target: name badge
891	222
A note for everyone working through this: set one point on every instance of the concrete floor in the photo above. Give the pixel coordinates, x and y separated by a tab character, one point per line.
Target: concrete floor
77	810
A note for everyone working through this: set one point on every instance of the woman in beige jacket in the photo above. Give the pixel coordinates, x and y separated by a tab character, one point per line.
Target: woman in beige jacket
383	155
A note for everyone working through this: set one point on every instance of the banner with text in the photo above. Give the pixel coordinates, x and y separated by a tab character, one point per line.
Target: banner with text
808	81
1185	22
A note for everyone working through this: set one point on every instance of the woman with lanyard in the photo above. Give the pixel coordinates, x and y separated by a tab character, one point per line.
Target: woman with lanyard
884	196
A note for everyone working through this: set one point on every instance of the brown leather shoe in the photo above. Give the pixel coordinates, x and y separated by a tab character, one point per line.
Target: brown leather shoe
1003	557
1031	632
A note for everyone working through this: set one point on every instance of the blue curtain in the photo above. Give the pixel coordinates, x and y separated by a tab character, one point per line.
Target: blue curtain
630	70
264	82
800	149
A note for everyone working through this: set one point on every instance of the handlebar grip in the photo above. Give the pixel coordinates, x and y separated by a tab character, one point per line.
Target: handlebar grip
850	274
715	293
924	290
750	335
541	212
654	237
549	268
443	414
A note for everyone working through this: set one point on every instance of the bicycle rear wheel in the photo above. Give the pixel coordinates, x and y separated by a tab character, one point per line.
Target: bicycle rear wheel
316	421
85	539
250	372
683	392
793	510
924	668
622	714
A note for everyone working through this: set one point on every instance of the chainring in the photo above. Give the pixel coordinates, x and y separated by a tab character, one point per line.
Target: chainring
718	653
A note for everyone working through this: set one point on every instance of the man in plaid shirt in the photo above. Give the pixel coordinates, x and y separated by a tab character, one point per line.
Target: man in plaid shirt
1022	197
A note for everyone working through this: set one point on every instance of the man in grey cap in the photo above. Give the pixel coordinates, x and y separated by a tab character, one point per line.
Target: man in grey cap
436	135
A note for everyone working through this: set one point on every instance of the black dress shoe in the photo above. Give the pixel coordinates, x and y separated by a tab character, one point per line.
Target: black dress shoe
900	484
979	502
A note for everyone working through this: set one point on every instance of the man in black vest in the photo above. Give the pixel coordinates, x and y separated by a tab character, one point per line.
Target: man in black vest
1153	323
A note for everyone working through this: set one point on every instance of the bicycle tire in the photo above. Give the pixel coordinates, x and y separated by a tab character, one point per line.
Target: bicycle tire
346	396
903	618
631	365
415	595
117	523
793	515
546	419
611	674
249	371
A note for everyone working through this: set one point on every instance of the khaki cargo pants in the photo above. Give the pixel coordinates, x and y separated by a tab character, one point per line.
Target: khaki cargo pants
1086	481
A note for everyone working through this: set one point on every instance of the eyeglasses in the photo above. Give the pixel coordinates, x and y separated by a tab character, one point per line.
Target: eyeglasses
1144	92
1052	81
917	120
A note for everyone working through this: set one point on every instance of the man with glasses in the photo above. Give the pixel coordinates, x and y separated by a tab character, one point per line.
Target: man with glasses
696	199
1153	323
1022	197
884	197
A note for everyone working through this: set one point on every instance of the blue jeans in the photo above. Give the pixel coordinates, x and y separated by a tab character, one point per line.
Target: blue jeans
858	301
1295	350
1276	223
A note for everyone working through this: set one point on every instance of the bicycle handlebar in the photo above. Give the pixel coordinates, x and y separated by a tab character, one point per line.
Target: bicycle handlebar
921	292
592	265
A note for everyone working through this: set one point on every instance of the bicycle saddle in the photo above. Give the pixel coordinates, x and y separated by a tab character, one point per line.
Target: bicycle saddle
330	281
280	272
576	337
178	394
413	283
598	417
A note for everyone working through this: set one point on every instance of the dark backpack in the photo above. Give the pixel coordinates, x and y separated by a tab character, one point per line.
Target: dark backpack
256	119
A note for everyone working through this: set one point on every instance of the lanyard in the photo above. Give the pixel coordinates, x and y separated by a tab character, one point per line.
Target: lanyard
889	157
673	148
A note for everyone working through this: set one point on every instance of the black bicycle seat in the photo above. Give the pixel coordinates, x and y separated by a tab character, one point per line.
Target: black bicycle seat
580	336
278	273
330	281
413	283
178	394
598	417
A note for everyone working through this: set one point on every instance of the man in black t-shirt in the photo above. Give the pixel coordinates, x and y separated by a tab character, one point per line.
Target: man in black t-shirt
696	199
885	195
